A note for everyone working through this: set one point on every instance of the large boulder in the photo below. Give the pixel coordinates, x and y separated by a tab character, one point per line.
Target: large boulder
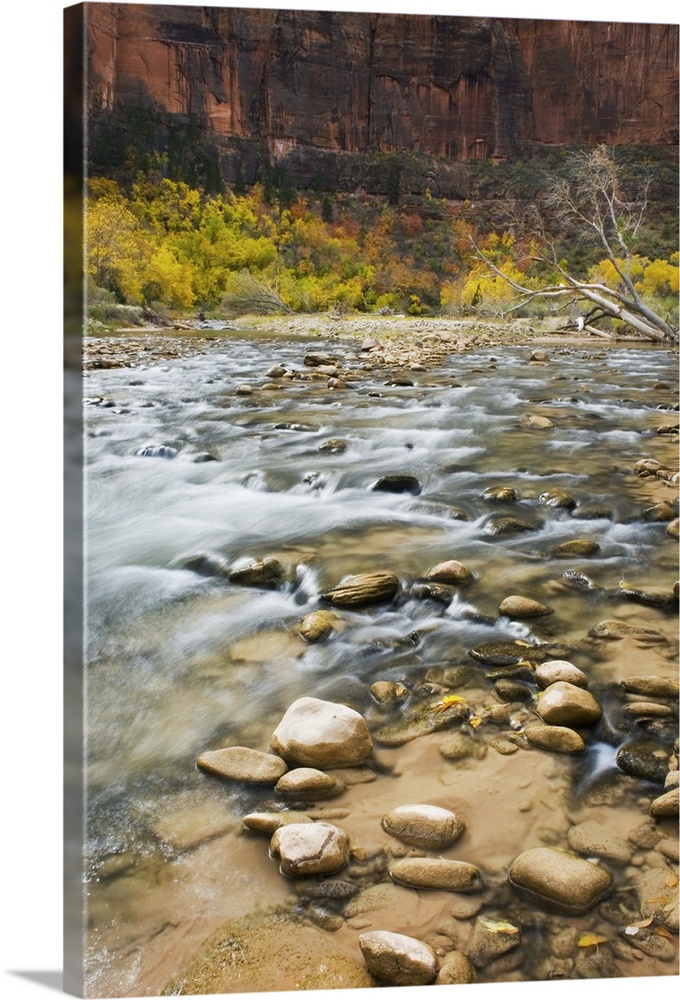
559	880
397	959
310	849
316	733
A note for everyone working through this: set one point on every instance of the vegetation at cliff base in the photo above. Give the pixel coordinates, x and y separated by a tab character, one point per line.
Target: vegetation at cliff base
163	244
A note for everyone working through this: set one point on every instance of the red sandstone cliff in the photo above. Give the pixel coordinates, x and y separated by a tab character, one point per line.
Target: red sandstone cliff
455	87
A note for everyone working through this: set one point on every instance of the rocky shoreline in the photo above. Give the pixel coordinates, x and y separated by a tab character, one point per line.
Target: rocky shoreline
432	839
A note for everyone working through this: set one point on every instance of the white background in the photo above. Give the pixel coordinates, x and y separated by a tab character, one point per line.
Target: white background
30	381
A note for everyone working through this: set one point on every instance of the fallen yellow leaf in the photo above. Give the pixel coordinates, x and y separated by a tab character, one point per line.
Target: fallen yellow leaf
587	940
632	929
500	926
671	881
474	721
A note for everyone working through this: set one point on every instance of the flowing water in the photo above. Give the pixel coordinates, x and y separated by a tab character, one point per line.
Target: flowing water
185	477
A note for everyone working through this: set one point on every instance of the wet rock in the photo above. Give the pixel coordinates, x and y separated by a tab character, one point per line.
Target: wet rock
202	457
370	344
316	733
537	422
398	483
673	528
663	511
576	547
309	783
505	494
207	565
243	764
287	425
328	888
648	710
276	371
558	880
615	629
595	511
458	747
511	690
644	759
244	389
652	598
592	838
522	607
334	446
269	822
646	836
450	571
388	693
238	958
502	652
651	686
336	383
504	526
310	849
501	745
429	827
490	939
398	960
420	722
437	873
315	358
656	898
557	498
665	805
560	739
596	965
551	671
364	588
539	356
263	573
318	625
157	451
564	704
455	968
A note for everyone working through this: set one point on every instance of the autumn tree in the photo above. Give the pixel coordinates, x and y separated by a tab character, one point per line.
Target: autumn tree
591	206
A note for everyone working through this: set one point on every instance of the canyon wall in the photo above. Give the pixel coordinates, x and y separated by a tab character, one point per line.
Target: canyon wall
456	88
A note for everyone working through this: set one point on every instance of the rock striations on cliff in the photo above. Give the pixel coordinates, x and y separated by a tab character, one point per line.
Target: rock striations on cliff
457	88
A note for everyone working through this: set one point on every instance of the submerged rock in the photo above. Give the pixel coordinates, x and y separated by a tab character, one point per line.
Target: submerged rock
421	722
388	693
316	733
243	764
334	446
490	939
269	822
398	960
591	837
558	880
310	849
429	827
644	759
502	526
615	629
364	588
581	547
437	873
455	968
502	652
238	958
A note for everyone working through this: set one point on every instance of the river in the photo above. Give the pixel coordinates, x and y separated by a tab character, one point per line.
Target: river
185	478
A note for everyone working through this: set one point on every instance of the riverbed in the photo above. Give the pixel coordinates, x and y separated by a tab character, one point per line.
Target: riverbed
204	455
